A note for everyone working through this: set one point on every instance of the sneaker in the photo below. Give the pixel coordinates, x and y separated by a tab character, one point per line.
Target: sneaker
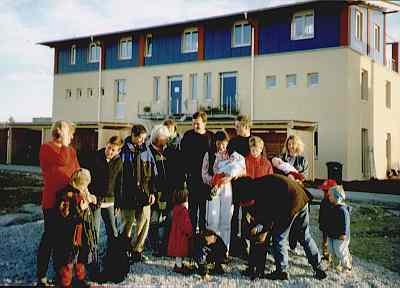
43	282
320	274
277	275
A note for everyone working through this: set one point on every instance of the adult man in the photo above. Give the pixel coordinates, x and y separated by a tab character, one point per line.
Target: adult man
137	191
239	144
281	204
195	144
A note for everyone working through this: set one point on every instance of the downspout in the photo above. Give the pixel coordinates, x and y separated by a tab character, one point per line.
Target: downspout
99	82
252	77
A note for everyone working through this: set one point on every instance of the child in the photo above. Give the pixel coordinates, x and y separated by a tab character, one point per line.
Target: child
256	166
209	250
218	174
75	237
338	229
324	216
181	231
287	169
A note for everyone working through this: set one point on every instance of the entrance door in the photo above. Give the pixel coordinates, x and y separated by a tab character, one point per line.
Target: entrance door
388	151
175	94
228	91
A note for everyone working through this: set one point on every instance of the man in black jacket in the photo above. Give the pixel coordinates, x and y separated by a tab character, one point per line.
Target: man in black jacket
281	204
195	144
106	169
137	190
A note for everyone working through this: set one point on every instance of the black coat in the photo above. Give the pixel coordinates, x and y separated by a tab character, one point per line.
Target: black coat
106	176
278	199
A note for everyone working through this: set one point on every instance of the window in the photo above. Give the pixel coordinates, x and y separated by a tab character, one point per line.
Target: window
207	86
125	48
68	93
156	87
72	55
359	25
271	81
364	152
149	45
193	86
190	40
90	92
78	93
120	86
241	34
377	38
303	25
94	53
291	80
312	79
388	151
364	85
388	88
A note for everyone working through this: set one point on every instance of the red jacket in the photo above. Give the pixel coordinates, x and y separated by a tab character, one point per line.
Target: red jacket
255	168
181	232
57	164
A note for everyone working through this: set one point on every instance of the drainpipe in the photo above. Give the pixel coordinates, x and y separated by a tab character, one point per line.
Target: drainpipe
252	77
99	82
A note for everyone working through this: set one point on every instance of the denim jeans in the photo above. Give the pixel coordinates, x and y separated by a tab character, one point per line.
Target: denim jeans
108	216
340	249
280	240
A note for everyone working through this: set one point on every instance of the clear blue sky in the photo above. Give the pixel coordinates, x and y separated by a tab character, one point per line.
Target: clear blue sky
26	80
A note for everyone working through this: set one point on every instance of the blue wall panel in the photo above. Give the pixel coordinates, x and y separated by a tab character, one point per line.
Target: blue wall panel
275	31
167	50
112	61
218	44
81	62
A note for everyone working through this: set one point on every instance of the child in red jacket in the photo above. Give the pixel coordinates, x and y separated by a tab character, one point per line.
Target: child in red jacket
181	231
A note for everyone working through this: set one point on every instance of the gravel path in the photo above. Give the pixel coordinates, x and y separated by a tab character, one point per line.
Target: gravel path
19	244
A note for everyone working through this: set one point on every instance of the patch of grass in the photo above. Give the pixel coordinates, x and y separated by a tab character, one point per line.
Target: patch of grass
375	234
17	179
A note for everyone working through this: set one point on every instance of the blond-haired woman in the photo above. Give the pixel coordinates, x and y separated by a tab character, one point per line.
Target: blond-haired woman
292	153
58	162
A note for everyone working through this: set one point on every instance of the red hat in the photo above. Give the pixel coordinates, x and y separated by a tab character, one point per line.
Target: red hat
328	184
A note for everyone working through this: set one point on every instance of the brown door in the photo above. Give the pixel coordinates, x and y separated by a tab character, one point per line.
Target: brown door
25	146
273	141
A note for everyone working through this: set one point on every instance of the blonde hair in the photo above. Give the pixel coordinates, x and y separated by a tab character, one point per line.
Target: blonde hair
297	142
243	121
256	141
58	125
80	178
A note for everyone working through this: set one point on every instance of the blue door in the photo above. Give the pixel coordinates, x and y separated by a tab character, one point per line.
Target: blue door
228	92
175	95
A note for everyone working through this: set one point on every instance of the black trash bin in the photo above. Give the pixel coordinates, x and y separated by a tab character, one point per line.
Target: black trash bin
335	171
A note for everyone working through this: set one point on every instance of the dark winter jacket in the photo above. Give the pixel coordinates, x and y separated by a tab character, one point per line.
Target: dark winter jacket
194	146
106	176
136	185
240	145
176	173
278	199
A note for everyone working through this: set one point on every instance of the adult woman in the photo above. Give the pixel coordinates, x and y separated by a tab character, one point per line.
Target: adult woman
58	162
293	154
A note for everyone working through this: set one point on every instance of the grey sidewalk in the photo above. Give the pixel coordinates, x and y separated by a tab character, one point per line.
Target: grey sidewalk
362	196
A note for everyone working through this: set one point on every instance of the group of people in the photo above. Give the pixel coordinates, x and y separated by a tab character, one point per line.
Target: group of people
203	197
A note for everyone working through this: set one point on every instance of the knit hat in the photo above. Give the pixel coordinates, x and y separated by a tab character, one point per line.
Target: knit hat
327	184
338	193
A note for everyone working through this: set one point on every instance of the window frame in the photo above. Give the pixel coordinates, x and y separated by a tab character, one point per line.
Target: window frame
275	81
117	90
295	80
90	55
79	93
156	88
207	87
304	35
359	25
90	92
193	79
148	52
72	55
309	75
189	31
126	40
364	85
68	94
388	94
242	24
377	37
